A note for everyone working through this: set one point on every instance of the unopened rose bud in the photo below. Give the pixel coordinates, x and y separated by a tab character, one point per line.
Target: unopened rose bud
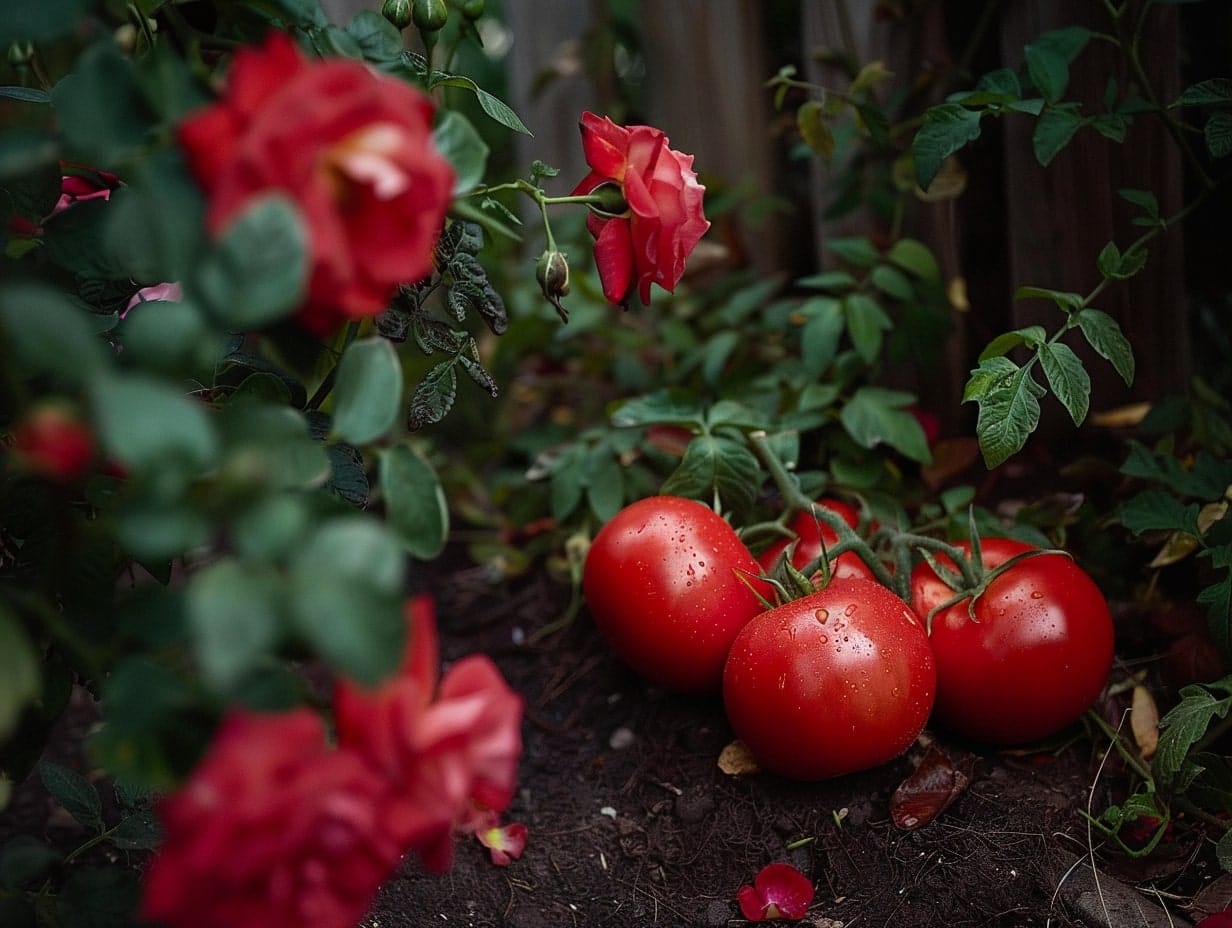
552	272
429	15
472	9
53	442
397	12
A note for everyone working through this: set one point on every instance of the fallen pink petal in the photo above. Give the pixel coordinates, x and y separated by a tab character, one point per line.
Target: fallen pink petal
779	891
506	844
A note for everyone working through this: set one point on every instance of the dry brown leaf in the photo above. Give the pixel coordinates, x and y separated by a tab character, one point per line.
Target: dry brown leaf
1123	417
956	293
929	790
1144	721
1178	547
737	760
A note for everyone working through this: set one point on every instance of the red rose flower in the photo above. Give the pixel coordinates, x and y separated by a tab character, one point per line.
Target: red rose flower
443	752
649	241
351	147
273	830
53	442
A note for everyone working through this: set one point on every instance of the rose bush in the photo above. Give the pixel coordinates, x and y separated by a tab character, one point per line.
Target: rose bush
354	151
662	220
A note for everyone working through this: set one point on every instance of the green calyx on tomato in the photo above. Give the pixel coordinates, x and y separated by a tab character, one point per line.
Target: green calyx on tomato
1026	656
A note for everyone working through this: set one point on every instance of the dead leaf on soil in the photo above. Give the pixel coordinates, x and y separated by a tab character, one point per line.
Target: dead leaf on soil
737	760
929	790
1144	721
951	457
1216	896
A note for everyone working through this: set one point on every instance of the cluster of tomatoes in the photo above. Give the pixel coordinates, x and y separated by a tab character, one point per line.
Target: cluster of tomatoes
845	677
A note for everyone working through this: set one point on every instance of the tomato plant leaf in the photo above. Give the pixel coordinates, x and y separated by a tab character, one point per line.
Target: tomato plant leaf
857	250
821	333
1187	723
875	415
1068	302
813	128
1048	59
75	793
1143	199
1217	91
1032	336
605	489
715	465
946	129
866	321
1068	378
1008	400
1217	597
1056	126
1105	336
916	258
892	282
415	504
1218	134
663	407
1159	511
828	280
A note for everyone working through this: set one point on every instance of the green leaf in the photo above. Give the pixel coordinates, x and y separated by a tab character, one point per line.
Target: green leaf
169	337
270	446
1008	399
821	334
892	282
828	280
137	831
1143	199
1187	723
1223	851
168	84
1159	511
346	597
25	859
1217	597
20	682
271	527
1032	336
492	105
41	22
866	321
50	334
856	250
1056	126
875	415
377	37
1069	302
1215	92
605	488
1116	266
1105	336
257	273
1112	126
1218	134
715	353
155	223
74	792
25	94
946	129
715	465
1048	59
664	407
368	392
916	258
236	619
813	128
1068	378
99	109
463	147
149	426
433	397
415	505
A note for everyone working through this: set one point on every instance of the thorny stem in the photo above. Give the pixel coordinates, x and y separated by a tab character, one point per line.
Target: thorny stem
327	385
542	200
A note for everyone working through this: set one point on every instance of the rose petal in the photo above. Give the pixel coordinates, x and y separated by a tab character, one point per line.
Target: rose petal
779	891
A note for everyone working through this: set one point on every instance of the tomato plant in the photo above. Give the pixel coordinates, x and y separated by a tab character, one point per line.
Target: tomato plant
837	681
811	535
666	580
1026	654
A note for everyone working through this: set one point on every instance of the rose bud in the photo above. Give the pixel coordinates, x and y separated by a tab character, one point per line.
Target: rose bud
53	442
397	12
552	272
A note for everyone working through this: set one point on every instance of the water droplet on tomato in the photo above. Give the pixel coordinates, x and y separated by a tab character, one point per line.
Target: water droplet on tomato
850	610
782	681
823	639
822	616
1036	594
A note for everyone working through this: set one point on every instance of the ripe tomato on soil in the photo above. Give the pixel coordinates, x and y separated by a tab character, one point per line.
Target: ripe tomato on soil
1036	655
665	580
834	682
812	532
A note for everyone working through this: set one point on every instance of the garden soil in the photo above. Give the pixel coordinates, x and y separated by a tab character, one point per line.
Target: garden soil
633	823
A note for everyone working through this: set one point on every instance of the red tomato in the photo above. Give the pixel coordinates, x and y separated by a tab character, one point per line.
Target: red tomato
812	532
665	582
838	681
1036	656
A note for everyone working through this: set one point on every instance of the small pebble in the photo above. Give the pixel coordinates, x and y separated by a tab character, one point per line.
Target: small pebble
621	738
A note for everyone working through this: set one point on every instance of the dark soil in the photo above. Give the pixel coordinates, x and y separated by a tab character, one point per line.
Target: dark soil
632	823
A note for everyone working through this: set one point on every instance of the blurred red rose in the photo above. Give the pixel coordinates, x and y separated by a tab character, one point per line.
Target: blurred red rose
649	240
273	830
444	752
53	442
351	147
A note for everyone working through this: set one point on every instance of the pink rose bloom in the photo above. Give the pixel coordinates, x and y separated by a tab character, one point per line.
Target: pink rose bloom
444	751
649	241
351	147
168	293
273	830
